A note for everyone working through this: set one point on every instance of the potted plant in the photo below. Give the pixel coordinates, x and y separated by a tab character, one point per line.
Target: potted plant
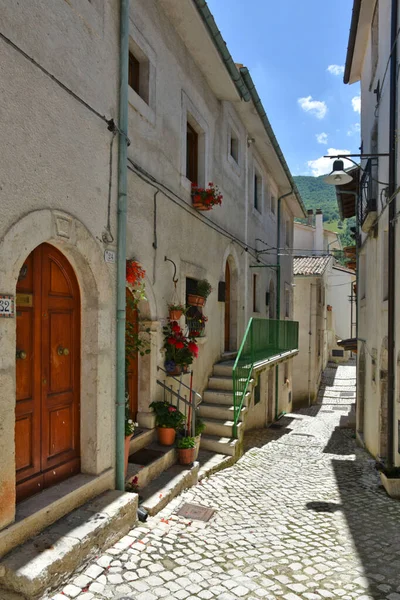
390	479
203	290
168	420
176	311
186	450
196	322
129	431
180	351
206	198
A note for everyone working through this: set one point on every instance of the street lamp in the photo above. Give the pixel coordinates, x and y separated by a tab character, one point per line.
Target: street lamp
338	176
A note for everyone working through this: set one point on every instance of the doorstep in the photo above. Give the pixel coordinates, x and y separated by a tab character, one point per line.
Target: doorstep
47	558
38	512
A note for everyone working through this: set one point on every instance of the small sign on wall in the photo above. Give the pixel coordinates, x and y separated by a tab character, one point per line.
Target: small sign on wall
109	256
6	306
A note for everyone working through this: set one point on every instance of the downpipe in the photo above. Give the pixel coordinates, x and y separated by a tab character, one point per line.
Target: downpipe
121	258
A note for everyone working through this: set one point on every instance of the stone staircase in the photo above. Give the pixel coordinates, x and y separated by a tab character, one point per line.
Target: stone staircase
217	411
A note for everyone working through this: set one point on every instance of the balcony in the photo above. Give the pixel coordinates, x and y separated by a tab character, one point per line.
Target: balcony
265	341
367	206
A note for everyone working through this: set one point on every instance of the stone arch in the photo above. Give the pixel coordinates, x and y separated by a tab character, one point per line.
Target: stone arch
383	410
231	259
86	257
361	377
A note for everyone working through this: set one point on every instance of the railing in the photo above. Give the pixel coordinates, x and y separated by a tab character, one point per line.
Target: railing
367	205
264	339
190	401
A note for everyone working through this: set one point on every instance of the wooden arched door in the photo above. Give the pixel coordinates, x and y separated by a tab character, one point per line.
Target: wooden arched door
132	360
47	420
227	343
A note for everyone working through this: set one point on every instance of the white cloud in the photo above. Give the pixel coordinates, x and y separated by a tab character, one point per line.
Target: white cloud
322	138
356	102
354	129
317	108
336	69
322	165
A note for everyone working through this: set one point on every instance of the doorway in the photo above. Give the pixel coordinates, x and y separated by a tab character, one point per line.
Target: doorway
132	358
227	344
47	418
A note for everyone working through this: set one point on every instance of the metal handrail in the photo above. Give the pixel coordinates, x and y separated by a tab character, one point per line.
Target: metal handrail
192	404
179	381
263	339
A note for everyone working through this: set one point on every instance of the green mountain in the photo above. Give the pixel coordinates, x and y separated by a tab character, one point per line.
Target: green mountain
318	194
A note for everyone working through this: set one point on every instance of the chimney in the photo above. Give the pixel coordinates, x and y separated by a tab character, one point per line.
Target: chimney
310	217
319	230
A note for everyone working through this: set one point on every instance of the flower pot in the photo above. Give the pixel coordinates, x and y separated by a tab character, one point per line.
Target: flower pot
197	446
166	435
175	315
391	485
195	300
176	371
186	455
200	206
127	442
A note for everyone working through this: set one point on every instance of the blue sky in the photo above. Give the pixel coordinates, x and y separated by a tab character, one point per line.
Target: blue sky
288	47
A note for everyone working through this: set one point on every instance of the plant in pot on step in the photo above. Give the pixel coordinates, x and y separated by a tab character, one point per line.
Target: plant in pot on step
186	450
200	295
180	351
176	311
129	431
199	427
168	420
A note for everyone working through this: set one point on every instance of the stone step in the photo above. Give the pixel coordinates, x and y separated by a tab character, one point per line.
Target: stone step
45	560
149	463
223	369
218	444
142	438
167	486
219	428
222	397
220	412
220	383
229	355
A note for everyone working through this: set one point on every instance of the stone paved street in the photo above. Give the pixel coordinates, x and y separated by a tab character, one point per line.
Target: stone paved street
301	515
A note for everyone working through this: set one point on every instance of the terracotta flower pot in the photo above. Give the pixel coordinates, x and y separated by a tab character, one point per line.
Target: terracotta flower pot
200	206
127	442
175	315
195	300
166	435
176	371
186	455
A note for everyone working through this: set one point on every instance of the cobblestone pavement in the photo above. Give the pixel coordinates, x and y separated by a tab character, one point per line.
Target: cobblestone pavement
301	515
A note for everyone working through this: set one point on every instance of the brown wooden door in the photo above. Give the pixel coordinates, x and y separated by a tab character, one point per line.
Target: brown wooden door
47	372
132	363
227	307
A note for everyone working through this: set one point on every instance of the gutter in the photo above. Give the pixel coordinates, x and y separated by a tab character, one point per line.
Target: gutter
121	256
392	239
352	40
222	48
267	126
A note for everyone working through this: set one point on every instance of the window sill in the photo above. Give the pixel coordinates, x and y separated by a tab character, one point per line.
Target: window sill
235	166
186	183
257	214
138	104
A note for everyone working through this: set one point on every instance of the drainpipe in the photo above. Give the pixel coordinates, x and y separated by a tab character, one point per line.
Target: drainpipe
392	237
121	261
278	294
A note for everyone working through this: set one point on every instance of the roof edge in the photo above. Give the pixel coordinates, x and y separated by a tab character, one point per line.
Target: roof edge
352	40
222	48
270	132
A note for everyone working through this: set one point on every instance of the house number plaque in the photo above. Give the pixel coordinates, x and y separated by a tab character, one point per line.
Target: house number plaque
6	306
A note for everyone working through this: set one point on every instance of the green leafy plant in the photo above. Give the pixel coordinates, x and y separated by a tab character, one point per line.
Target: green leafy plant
180	307
129	423
167	415
186	442
204	288
199	426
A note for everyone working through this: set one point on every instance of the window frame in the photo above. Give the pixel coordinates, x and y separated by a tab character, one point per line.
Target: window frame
134	73
192	162
257	190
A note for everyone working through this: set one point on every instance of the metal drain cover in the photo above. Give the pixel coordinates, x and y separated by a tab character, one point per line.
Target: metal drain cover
195	512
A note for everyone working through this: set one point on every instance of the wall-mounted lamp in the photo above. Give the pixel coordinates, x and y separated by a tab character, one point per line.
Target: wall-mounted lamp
338	175
250	141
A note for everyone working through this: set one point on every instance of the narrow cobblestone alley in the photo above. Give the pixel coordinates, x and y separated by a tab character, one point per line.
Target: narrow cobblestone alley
301	515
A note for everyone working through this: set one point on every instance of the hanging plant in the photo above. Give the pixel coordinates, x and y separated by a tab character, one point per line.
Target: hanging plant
135	275
176	311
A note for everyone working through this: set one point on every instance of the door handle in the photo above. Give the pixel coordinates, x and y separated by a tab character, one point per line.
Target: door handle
61	351
21	354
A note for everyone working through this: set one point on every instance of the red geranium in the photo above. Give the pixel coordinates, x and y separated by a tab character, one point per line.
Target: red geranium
179	345
175	327
193	348
134	272
171	341
207	196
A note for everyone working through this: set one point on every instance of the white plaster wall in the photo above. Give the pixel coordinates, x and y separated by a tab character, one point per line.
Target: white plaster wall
339	287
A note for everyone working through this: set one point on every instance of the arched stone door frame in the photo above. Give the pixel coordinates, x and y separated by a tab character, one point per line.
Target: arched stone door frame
231	259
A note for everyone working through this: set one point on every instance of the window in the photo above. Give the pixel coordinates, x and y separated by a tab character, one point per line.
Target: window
255	308
134	72
192	153
234	146
257	191
273	204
